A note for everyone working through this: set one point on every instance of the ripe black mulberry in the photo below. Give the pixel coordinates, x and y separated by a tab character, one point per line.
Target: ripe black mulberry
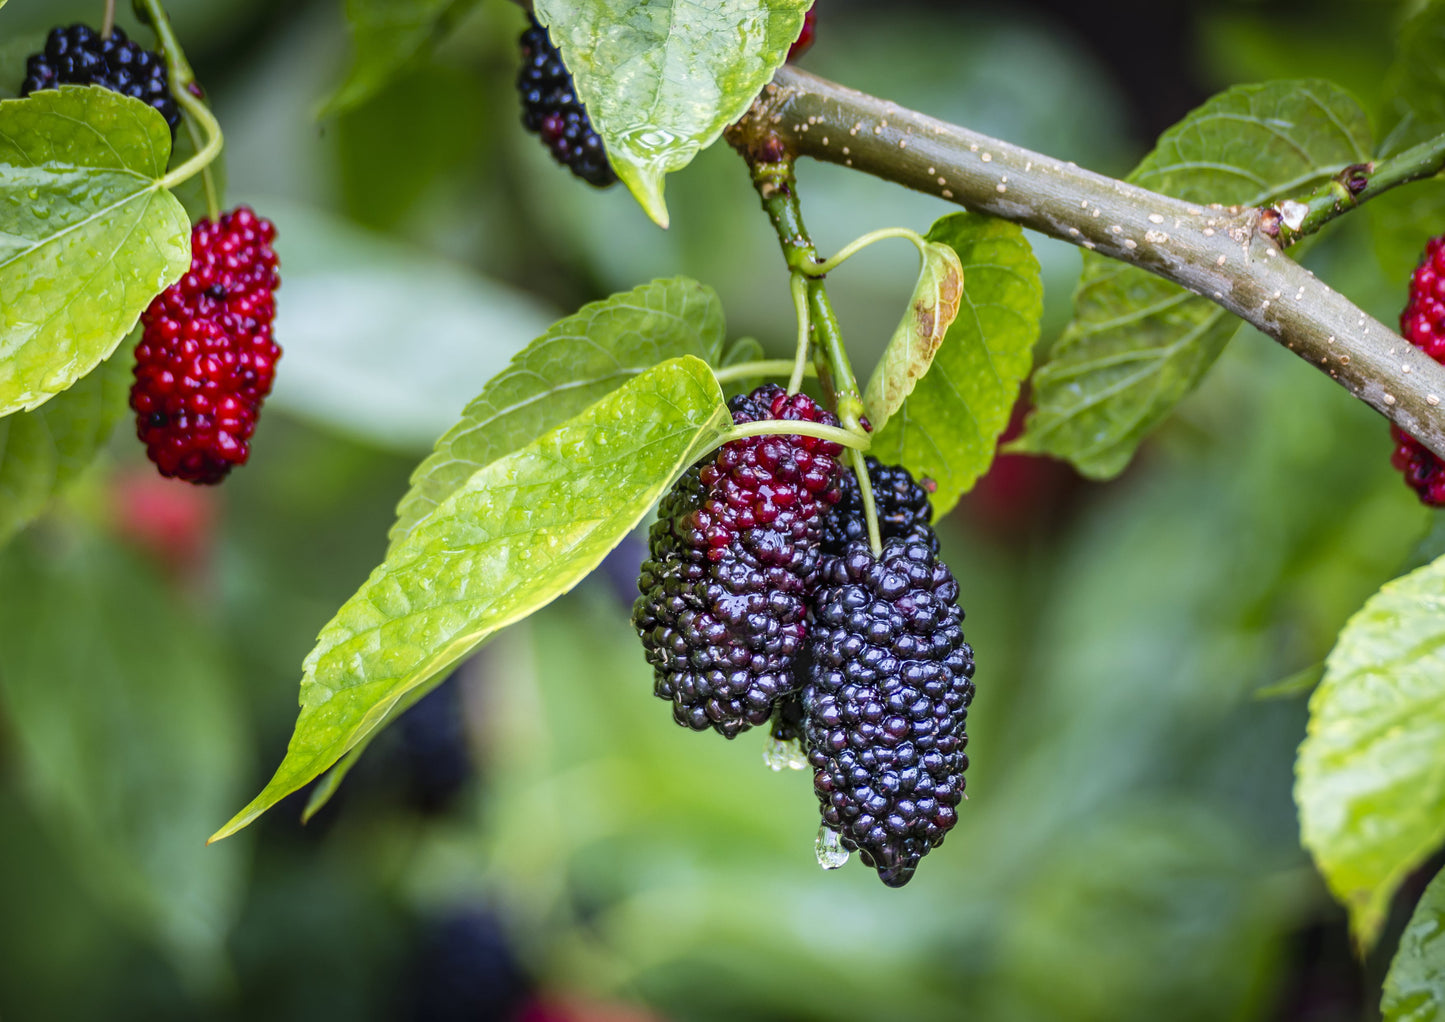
79	55
723	610
551	110
889	681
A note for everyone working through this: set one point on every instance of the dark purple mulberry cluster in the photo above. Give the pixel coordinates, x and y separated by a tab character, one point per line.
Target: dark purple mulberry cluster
762	598
723	609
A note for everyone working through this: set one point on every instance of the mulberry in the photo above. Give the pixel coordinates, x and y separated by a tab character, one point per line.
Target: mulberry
551	109
901	503
889	681
206	359
79	55
1423	325
723	606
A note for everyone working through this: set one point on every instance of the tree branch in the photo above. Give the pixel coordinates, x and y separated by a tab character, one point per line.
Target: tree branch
1222	254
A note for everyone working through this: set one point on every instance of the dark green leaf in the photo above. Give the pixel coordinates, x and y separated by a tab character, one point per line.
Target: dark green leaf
387	36
1415	985
948	428
1369	785
931	310
128	736
41	451
661	79
521	531
87	235
1137	345
576	362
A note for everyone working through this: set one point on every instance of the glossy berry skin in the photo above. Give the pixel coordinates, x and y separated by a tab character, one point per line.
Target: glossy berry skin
1423	325
79	56
902	506
889	681
804	42
551	109
723	606
206	358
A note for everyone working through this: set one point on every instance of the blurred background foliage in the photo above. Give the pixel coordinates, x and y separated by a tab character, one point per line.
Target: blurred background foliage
537	837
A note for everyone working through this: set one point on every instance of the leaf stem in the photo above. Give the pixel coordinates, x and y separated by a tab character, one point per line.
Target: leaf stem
857	245
778	188
200	162
1360	182
798	285
857	441
747	370
199	118
1224	254
870	509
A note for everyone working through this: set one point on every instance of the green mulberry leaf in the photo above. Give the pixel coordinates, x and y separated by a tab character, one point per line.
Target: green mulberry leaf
931	310
949	427
87	235
1138	344
1415	984
1370	777
662	78
576	362
42	451
522	531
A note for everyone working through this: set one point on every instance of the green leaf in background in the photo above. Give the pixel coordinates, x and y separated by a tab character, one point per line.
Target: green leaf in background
128	738
576	362
350	295
87	235
1415	985
931	310
387	35
949	427
744	349
1137	344
1402	219
1369	783
519	533
43	450
662	78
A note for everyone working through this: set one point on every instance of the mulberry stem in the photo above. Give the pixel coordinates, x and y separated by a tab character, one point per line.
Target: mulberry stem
198	117
870	510
107	21
778	188
857	245
858	441
798	284
747	370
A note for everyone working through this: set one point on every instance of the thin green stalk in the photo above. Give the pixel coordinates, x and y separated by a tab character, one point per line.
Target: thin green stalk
792	427
200	122
1294	219
851	249
198	163
777	187
870	510
798	285
748	370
